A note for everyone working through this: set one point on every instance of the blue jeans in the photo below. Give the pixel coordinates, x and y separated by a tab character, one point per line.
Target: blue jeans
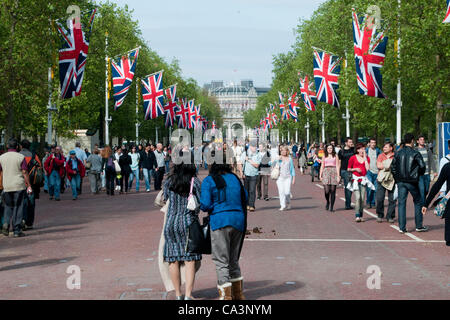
348	194
75	184
403	189
29	206
148	173
372	177
45	182
424	186
134	173
55	184
167	166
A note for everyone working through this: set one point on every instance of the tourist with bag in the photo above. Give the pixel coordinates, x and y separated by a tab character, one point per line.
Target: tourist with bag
135	160
75	172
225	199
177	190
249	168
110	169
444	177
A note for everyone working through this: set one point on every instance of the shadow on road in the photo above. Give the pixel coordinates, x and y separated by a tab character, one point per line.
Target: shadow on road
37	263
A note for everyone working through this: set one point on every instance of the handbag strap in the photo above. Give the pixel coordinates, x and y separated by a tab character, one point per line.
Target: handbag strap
192	186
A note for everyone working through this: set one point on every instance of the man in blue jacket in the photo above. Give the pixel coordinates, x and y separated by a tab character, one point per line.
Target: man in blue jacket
372	152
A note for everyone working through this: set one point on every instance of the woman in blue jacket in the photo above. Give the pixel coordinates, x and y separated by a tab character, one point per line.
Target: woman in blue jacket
225	199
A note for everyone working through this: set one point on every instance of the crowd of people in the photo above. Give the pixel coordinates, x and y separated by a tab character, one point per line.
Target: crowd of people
230	190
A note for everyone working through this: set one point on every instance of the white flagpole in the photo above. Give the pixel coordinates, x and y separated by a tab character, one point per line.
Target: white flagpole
137	111
49	108
399	85
323	124
106	93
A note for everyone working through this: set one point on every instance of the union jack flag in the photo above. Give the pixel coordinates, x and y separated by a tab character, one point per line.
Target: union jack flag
447	15
370	51
181	114
192	115
73	56
122	74
171	106
284	112
308	95
326	75
197	115
293	105
213	125
205	123
153	95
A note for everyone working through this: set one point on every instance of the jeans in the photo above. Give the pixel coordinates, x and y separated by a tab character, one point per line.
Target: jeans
147	177
263	183
403	189
29	206
110	176
103	177
359	199
381	192
424	186
45	182
13	202
167	166
134	173
348	194
75	185
124	181
250	186
55	184
225	245
372	177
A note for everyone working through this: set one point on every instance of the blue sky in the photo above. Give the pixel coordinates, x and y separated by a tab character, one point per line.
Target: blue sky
221	40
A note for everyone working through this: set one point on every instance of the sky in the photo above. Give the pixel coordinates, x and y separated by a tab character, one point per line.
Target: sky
227	40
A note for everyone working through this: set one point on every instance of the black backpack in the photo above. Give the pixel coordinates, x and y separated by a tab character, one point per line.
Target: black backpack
35	172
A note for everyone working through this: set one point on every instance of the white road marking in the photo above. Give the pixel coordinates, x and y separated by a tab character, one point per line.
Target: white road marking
321	187
340	240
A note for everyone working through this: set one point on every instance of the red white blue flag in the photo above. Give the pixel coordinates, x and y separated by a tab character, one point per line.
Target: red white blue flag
73	55
192	115
171	106
447	15
370	51
283	109
293	105
122	75
153	95
182	114
326	75
308	95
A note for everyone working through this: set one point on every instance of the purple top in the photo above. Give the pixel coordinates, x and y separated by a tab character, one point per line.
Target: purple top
23	166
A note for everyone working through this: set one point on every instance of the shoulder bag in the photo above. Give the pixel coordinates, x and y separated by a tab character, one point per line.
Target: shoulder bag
440	208
192	201
275	174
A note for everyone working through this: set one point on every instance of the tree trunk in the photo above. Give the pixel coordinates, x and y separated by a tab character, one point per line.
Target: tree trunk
417	125
10	111
439	109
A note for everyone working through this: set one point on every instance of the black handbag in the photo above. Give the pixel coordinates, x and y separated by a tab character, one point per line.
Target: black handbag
199	237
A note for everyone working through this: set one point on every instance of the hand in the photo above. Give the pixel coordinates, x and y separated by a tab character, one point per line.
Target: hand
424	210
29	190
358	170
338	179
321	178
293	181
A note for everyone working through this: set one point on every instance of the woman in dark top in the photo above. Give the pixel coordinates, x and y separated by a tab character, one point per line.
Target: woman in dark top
110	170
125	166
444	176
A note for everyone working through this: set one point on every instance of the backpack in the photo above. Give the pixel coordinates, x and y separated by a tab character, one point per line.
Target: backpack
35	172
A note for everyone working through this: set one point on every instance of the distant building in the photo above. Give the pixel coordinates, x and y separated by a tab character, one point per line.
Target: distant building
234	100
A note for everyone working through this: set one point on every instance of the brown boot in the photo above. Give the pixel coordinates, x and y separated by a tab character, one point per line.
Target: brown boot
237	288
225	291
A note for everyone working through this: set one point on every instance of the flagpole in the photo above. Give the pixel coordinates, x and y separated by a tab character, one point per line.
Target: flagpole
107	119
137	111
307	130
49	108
347	113
399	84
323	124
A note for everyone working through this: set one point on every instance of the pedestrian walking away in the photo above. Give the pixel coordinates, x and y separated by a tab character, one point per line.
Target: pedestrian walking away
125	166
430	164
264	172
224	198
160	168
407	167
386	183
135	161
54	166
94	162
109	169
330	175
16	186
176	190
358	165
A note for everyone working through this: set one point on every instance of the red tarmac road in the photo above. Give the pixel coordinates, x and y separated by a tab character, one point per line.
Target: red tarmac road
304	253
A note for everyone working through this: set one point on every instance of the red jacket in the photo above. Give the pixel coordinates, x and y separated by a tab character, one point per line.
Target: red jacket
71	173
51	160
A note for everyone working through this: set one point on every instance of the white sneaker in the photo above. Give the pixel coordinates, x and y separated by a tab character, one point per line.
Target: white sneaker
148	190
288	207
282	208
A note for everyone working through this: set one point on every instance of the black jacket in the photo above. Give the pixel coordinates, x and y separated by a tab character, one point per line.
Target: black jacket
345	155
124	163
408	165
148	160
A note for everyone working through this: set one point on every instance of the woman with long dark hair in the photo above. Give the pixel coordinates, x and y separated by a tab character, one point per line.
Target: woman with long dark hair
176	190
110	170
125	166
329	175
225	199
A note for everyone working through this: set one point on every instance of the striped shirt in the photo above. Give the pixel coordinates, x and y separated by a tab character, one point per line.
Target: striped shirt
424	153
